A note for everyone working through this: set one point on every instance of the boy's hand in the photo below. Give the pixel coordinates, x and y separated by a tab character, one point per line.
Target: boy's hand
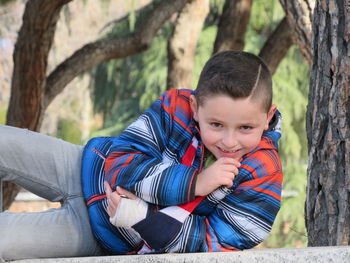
124	208
221	172
115	197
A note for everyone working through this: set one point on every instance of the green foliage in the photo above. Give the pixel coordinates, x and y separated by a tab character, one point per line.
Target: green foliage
3	111
68	130
4	2
203	51
291	83
132	14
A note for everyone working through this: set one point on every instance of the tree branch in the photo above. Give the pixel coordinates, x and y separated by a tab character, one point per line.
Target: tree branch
94	53
299	16
232	25
277	45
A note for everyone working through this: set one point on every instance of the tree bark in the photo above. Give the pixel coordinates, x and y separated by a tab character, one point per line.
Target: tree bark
277	45
232	25
32	91
30	63
328	127
182	44
299	16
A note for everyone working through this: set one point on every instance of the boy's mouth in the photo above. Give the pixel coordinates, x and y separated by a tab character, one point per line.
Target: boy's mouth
231	154
226	151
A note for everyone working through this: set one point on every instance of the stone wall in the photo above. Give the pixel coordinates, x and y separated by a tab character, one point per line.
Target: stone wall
280	255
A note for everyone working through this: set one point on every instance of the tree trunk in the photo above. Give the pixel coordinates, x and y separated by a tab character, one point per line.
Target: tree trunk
328	127
232	25
10	191
277	45
182	44
30	63
299	16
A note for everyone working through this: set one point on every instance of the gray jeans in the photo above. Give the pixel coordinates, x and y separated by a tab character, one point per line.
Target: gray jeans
49	168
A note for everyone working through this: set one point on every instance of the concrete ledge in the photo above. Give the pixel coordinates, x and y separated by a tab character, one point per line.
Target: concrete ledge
316	254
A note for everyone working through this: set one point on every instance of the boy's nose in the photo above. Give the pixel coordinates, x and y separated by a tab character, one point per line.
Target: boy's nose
229	141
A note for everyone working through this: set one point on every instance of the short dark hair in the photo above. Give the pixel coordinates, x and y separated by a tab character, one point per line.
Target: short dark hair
236	74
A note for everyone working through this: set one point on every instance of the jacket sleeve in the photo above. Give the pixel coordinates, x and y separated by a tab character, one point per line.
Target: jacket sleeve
142	162
241	220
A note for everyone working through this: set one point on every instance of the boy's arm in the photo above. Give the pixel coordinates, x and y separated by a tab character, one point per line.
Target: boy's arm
240	220
142	159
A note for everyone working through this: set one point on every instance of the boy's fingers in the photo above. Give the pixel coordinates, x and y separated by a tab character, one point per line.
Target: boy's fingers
230	168
238	164
122	191
108	189
227	160
235	171
113	203
231	176
109	212
229	183
115	198
112	197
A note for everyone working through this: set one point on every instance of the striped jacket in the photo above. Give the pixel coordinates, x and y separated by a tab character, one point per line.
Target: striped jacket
146	159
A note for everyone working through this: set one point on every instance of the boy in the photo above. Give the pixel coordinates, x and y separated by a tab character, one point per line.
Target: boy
160	159
229	205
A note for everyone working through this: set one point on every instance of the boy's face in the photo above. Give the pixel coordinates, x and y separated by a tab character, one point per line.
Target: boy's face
231	127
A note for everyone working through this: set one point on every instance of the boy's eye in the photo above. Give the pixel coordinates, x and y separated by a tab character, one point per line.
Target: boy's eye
216	124
246	128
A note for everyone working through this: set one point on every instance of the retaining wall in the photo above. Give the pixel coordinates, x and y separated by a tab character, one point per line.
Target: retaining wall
316	254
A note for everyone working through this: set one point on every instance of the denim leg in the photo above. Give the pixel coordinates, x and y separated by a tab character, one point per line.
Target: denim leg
59	232
44	165
49	168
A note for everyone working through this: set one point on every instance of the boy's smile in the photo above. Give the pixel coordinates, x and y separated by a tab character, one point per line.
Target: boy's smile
231	127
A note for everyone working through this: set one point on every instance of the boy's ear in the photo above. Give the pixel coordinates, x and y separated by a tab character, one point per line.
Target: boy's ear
270	115
194	107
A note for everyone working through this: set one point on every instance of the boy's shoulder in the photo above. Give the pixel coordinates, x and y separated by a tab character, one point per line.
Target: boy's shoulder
263	160
177	101
177	93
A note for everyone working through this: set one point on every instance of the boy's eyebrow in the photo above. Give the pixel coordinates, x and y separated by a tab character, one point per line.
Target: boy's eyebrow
210	118
250	121
243	123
